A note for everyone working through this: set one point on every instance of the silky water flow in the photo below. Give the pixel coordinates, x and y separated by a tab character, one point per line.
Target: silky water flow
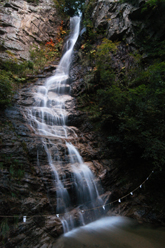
48	120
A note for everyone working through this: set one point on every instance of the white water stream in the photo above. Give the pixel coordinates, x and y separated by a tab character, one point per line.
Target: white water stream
48	120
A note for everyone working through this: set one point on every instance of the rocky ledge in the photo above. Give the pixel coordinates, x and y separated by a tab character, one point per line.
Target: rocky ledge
24	24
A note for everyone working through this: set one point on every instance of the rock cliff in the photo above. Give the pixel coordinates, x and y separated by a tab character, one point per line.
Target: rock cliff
121	20
23	24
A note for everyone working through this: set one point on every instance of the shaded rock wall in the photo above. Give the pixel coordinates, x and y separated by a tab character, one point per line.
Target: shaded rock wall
24	24
122	21
114	17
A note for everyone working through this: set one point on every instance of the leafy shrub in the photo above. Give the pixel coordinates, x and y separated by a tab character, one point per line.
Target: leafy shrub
130	112
4	228
12	67
11	74
133	118
103	61
5	88
152	4
14	167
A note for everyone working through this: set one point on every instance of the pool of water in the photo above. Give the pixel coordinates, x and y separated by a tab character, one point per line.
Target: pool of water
113	232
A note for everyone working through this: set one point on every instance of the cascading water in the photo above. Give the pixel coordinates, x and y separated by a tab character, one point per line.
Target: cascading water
48	120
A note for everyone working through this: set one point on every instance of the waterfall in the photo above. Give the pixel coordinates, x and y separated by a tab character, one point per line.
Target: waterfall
47	118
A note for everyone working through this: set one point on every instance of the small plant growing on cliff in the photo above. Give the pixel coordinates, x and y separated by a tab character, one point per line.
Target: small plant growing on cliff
103	61
4	228
16	169
11	75
152	4
14	166
5	88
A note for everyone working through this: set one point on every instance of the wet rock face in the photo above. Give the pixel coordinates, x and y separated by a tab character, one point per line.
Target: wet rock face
24	24
33	193
26	181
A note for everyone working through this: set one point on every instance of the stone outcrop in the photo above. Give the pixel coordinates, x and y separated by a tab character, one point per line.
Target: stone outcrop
23	24
114	17
122	20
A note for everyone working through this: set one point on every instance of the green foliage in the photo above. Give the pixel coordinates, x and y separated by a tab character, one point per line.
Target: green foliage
141	119
69	7
16	173
91	33
88	9
5	88
14	167
30	65
1	165
152	4
88	23
7	225
38	57
104	49
99	61
14	67
129	107
103	61
150	38
4	228
11	74
133	118
44	54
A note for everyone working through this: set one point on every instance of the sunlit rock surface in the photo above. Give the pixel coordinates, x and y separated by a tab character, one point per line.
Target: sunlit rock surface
24	24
